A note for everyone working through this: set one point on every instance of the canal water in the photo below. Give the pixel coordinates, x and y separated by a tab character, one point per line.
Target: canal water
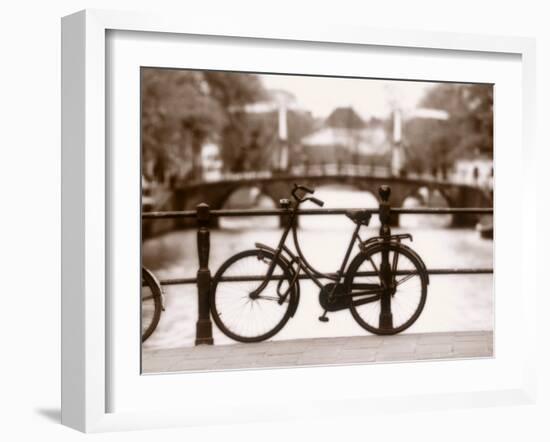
454	303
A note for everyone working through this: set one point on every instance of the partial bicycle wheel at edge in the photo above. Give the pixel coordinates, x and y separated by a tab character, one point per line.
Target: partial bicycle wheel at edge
151	304
410	294
239	316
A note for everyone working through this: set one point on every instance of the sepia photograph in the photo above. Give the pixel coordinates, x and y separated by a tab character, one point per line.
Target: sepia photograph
301	220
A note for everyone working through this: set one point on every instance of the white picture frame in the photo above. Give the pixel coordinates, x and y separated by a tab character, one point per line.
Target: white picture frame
86	206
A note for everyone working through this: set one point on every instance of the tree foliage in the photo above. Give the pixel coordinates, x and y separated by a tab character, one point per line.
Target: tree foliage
257	136
436	144
345	117
181	109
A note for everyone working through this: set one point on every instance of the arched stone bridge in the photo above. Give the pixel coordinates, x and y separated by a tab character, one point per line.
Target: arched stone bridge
216	193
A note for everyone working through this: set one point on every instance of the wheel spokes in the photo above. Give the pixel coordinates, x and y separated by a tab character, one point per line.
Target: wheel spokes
405	300
406	278
260	313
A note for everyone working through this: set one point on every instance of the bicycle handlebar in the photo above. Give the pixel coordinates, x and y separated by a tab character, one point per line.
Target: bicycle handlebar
315	201
306	190
303	189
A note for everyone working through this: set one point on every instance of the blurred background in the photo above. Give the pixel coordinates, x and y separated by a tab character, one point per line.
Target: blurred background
239	140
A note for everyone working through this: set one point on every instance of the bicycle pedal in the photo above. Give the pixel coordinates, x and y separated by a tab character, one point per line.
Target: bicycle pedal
323	319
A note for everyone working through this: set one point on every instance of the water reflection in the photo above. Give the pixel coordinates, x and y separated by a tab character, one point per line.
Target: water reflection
338	197
423	197
246	198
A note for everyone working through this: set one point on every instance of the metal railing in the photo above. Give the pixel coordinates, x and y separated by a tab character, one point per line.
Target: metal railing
203	216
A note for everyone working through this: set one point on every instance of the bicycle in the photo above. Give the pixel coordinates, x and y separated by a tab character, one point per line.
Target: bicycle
255	292
152	303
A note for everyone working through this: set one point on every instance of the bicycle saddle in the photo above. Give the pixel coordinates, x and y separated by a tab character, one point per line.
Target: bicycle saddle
359	216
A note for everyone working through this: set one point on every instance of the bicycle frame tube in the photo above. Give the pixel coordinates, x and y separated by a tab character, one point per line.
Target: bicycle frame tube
304	264
277	253
310	270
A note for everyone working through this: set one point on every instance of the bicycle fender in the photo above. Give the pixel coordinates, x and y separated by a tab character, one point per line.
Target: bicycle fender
262	246
410	250
420	260
159	285
265	247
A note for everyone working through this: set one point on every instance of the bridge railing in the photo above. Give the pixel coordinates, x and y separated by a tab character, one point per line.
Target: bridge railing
203	217
336	169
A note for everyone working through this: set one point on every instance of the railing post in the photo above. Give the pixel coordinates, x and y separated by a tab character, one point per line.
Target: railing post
386	317
204	324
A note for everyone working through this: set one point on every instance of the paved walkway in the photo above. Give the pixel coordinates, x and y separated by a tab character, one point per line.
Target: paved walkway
322	351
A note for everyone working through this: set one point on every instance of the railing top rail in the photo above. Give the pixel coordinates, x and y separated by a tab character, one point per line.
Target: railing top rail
339	211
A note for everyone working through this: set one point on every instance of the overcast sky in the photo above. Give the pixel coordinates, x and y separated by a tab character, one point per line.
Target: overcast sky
322	95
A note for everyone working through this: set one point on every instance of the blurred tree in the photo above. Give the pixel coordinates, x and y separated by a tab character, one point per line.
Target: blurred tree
181	109
436	144
345	117
252	141
247	132
300	124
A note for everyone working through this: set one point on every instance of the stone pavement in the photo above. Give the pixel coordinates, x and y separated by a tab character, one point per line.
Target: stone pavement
321	351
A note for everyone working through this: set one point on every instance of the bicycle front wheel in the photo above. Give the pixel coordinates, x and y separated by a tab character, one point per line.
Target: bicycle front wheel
241	313
365	285
151	304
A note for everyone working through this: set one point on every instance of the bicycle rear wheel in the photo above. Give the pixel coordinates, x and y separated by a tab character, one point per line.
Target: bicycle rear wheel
151	303
245	318
407	300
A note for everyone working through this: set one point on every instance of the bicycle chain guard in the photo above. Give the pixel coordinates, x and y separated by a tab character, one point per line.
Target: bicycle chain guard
339	302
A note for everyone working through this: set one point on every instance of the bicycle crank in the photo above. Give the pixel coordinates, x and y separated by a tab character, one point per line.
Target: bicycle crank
338	301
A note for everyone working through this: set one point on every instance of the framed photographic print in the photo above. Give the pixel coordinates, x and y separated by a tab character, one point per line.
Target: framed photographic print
295	212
